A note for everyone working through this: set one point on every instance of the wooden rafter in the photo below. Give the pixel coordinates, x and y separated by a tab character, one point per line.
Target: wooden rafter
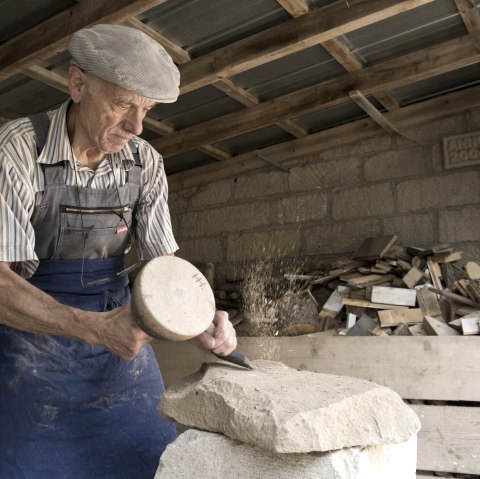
405	118
470	15
52	36
289	37
389	74
296	8
362	101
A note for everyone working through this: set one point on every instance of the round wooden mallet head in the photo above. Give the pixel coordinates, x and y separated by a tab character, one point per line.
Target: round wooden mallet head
172	299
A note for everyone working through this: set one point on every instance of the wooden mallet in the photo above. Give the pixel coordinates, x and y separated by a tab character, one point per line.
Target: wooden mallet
172	299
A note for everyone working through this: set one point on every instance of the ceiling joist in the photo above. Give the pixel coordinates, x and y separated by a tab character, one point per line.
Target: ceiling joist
389	74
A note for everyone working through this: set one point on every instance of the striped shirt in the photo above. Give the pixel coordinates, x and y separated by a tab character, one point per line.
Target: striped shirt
22	185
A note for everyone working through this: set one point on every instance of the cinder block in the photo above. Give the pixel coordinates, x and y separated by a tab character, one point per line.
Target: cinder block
202	250
415	230
375	200
227	219
214	193
324	175
339	237
439	191
302	209
261	185
272	244
397	163
460	225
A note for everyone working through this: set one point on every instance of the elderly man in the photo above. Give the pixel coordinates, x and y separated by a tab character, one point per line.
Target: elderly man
79	384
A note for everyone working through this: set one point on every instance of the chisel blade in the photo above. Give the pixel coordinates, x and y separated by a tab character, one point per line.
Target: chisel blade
236	358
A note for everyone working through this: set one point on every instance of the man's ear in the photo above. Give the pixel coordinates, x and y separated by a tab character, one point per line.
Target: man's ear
77	83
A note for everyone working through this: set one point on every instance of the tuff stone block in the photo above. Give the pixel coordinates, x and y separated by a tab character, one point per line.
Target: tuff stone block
283	410
214	456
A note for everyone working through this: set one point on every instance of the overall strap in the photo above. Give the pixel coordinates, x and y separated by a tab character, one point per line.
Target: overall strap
53	174
133	176
41	124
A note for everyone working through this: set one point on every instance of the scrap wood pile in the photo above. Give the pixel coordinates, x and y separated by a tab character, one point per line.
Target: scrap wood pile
382	289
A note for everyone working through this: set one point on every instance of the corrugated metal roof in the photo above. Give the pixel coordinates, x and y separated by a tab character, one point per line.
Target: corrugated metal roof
17	16
405	32
293	72
203	26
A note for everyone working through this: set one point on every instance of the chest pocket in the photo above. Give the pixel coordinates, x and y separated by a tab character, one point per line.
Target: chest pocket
93	232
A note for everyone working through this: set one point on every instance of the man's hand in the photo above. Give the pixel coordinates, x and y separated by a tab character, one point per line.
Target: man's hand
118	332
224	339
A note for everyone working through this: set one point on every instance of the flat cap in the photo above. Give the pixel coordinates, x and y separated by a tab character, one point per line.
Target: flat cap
128	58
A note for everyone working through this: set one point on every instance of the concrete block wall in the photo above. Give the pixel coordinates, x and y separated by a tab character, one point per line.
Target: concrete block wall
326	204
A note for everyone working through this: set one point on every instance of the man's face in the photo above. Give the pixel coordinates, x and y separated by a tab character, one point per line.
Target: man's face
109	115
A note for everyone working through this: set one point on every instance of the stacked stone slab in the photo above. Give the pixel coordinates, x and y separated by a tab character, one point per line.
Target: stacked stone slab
323	426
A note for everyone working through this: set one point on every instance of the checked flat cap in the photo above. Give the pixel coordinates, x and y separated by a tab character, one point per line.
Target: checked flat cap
128	58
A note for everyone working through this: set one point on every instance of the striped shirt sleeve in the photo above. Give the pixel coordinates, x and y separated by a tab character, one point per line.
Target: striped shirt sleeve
154	228
17	238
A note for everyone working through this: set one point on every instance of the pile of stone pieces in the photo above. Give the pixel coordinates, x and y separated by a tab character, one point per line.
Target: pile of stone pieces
276	422
382	289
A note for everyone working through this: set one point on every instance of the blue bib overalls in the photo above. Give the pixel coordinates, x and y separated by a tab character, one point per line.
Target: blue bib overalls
67	409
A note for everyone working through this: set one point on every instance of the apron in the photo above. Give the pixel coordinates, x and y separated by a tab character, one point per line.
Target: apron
67	409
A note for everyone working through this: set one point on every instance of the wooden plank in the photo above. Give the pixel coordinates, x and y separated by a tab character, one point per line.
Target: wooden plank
456	297
394	317
369	108
435	327
473	270
398	296
418	114
448	440
415	367
413	277
368	304
435	274
339	50
428	302
389	74
296	8
289	37
370	280
334	302
469	13
447	257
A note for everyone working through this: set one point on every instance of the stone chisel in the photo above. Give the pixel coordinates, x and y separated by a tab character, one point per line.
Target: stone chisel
171	299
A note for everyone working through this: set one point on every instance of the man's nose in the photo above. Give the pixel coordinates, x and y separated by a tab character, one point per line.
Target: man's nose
133	122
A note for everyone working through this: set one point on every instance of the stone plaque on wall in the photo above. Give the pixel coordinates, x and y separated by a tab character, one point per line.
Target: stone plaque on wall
462	150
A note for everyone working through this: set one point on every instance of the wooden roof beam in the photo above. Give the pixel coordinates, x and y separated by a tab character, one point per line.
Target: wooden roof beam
296	8
389	74
289	37
406	118
362	101
469	12
52	36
